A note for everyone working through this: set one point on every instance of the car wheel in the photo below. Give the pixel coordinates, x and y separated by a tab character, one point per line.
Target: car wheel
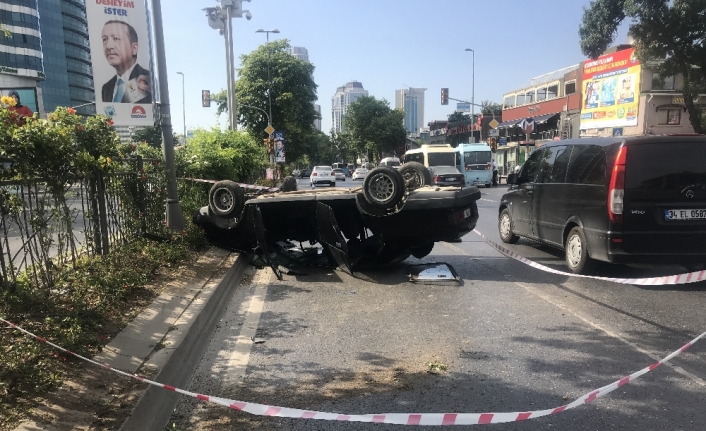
415	175
487	186
505	228
577	258
289	184
226	199
420	252
383	187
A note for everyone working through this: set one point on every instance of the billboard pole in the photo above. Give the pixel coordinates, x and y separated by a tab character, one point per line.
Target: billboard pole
174	216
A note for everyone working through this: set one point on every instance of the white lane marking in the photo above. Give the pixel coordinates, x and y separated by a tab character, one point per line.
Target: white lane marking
589	322
487	200
237	361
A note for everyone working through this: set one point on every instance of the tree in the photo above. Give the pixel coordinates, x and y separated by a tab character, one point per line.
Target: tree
491	108
152	136
293	93
221	155
670	33
458	119
373	127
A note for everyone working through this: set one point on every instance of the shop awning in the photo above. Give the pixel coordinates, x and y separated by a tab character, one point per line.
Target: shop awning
508	124
544	118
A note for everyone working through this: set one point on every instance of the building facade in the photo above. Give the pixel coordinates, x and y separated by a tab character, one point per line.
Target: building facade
302	53
21	65
411	100
67	56
344	96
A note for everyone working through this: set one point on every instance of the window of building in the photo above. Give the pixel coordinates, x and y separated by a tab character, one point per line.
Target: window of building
669	116
520	99
509	101
541	94
552	92
529	97
662	84
569	88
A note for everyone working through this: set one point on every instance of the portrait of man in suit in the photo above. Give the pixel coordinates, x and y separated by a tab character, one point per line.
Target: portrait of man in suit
131	83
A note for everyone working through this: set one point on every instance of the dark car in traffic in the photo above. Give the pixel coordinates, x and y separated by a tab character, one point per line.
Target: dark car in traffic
446	176
621	200
305	173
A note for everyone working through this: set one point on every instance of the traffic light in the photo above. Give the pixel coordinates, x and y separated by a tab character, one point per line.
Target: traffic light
206	98
444	96
493	141
270	146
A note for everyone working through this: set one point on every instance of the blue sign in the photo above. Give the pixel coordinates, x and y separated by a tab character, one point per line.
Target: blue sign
617	131
463	107
502	141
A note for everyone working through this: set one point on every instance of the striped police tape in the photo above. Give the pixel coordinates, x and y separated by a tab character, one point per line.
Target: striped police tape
686	278
387	418
243	185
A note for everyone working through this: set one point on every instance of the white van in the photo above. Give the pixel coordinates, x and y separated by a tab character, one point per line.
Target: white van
392	162
432	155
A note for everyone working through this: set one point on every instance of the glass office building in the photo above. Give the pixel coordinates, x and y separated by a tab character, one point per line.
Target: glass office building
67	56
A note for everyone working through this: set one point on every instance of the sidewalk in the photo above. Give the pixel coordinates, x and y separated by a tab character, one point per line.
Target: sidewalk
164	342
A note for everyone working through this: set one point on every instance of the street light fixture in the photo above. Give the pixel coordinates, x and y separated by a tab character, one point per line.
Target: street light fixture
269	81
473	93
183	102
259	109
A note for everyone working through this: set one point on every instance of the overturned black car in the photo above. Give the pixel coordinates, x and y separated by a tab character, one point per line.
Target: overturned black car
394	214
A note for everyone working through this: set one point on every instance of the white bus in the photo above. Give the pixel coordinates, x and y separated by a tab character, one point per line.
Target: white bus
432	155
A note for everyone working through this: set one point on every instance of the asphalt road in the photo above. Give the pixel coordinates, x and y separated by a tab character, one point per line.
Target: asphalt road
512	338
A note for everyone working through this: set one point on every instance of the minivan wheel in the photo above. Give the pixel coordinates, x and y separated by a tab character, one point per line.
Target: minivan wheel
487	186
577	258
505	228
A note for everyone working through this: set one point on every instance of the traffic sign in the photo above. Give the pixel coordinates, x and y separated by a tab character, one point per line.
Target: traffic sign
494	123
269	129
502	141
493	132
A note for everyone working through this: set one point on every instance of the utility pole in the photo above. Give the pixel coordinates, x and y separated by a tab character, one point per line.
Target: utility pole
174	216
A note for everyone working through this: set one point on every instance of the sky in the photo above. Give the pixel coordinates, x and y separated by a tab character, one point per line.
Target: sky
384	44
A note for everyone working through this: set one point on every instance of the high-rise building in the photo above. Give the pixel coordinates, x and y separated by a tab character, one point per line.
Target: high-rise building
411	100
344	96
21	67
67	55
303	54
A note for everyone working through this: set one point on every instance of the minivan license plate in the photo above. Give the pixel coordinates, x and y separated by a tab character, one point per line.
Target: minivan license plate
699	214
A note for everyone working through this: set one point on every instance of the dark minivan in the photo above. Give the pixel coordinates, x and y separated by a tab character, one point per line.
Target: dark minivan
621	200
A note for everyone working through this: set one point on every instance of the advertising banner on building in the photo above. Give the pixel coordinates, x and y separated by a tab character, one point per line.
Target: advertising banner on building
121	57
611	90
280	147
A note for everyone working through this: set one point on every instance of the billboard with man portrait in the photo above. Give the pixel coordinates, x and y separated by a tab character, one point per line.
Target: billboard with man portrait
611	83
122	58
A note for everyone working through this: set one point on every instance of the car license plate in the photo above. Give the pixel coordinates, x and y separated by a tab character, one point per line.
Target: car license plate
478	182
690	214
466	213
450	179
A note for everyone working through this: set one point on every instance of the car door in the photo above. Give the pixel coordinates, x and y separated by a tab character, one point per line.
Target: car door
522	203
548	215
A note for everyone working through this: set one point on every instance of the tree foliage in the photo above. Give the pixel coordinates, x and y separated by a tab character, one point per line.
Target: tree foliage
491	108
221	155
293	93
373	128
670	33
151	136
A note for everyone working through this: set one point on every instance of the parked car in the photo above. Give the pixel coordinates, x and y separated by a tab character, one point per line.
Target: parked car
446	176
305	173
621	200
322	175
376	224
296	173
359	174
340	174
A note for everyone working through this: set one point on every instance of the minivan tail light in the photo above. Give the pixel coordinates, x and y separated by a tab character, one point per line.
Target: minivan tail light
468	168
616	191
487	167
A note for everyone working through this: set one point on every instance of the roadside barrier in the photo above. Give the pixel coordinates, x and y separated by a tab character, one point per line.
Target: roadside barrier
245	186
387	418
686	278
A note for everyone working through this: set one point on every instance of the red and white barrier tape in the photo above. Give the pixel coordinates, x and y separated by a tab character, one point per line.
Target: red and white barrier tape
686	278
243	185
387	418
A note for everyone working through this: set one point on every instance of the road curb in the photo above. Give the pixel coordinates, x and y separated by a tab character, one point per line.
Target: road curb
154	409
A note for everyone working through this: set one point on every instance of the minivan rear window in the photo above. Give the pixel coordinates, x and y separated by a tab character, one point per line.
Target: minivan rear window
476	157
666	166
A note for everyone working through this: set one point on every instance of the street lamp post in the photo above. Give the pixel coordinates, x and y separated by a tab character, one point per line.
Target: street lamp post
183	102
269	80
473	93
259	109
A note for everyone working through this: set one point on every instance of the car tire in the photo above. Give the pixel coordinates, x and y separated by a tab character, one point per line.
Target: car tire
576	249
226	199
423	251
487	186
415	175
383	187
289	184
505	228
